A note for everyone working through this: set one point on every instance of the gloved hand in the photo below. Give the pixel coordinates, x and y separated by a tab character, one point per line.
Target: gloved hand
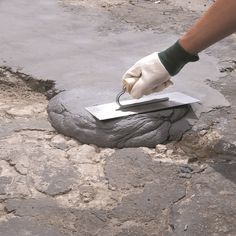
153	72
146	76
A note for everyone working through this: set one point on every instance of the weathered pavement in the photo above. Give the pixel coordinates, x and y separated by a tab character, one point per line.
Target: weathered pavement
53	185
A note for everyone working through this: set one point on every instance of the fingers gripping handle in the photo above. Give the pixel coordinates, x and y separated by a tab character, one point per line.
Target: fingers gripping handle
128	83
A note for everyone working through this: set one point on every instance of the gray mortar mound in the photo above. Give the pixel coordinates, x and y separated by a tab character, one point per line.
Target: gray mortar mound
68	116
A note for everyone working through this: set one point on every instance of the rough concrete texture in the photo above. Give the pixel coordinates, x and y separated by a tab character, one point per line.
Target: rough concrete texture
146	129
133	194
53	185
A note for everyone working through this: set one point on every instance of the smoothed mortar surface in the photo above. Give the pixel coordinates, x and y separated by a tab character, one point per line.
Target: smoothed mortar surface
68	116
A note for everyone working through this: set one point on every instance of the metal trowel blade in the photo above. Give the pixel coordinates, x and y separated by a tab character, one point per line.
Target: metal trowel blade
112	110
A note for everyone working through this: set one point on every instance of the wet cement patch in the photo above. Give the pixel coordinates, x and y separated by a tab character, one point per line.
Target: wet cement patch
149	129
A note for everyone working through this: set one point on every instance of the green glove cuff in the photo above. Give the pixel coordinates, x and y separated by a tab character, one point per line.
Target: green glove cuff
175	57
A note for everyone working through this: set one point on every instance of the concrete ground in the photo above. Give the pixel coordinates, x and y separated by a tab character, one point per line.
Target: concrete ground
53	185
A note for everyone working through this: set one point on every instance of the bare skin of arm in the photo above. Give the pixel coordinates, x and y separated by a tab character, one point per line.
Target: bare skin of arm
217	23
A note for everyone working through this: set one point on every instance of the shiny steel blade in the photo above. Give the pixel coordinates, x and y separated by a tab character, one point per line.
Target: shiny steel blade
112	110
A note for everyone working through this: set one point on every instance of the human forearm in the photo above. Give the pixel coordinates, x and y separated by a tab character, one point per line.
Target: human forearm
217	23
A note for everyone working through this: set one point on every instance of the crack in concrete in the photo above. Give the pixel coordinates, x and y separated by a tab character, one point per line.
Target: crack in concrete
55	194
33	129
13	165
180	199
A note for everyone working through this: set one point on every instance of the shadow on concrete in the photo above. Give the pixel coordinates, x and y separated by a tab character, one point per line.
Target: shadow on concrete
227	169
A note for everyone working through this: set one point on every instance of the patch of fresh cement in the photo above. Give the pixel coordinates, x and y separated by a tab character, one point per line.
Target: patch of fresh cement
68	116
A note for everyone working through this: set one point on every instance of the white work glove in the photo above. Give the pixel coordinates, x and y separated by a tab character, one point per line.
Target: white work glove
146	76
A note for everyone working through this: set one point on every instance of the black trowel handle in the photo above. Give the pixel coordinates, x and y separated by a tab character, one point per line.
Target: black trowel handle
119	95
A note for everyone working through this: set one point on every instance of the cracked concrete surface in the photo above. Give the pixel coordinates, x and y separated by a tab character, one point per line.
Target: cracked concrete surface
54	185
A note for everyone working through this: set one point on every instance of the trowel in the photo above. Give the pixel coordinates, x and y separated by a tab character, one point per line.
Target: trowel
137	106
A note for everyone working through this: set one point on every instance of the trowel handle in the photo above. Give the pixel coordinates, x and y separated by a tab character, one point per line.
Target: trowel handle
119	95
128	84
122	107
